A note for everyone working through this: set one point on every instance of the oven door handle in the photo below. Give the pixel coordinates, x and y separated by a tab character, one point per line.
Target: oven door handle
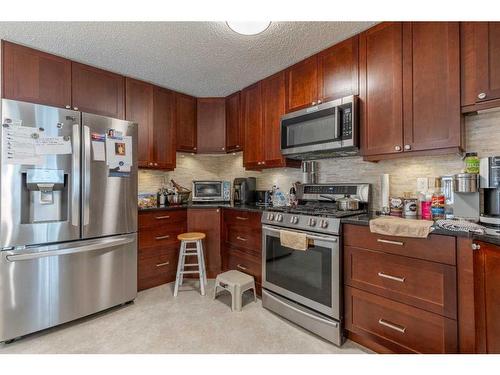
309	236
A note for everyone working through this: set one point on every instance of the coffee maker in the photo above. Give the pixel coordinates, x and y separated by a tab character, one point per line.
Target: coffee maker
244	190
489	192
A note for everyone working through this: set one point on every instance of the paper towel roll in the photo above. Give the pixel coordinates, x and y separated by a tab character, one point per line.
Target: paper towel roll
385	192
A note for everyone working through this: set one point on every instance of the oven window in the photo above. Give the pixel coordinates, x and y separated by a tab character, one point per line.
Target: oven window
306	273
207	190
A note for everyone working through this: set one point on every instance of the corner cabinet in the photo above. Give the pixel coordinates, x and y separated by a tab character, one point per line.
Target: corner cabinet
185	119
164	146
211	125
251	119
234	130
410	89
480	65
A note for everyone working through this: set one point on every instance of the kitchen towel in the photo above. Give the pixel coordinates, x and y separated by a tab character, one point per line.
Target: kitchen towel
396	226
293	240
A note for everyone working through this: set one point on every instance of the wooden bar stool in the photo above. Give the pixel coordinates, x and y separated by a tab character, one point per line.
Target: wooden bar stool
195	238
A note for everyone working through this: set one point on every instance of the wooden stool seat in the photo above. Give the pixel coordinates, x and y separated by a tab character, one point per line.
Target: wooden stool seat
191	236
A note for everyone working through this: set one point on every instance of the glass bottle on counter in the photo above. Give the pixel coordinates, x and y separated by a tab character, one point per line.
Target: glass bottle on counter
438	201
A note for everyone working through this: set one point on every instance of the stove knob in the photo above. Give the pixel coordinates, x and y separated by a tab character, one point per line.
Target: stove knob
294	220
279	217
270	217
324	223
312	222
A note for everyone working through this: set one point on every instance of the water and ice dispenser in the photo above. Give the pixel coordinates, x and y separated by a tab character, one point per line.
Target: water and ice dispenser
44	196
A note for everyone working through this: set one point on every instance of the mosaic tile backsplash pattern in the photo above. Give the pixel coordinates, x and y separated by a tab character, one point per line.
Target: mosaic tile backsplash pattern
482	136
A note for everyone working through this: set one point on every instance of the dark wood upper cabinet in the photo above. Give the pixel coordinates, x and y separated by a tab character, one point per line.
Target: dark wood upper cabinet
186	123
234	130
164	145
431	76
381	89
139	108
34	76
211	125
487	297
302	84
480	54
338	68
273	107
251	117
97	91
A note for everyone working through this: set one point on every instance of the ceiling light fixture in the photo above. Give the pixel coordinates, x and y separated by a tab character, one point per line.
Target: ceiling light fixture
248	27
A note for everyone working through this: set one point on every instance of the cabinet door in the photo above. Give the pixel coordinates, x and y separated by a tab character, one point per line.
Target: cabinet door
302	84
186	123
164	145
139	108
273	107
431	75
487	46
211	125
234	131
381	89
208	221
338	68
487	297
97	91
251	118
34	76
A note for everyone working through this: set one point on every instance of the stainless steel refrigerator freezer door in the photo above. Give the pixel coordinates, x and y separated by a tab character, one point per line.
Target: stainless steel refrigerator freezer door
25	218
109	204
44	286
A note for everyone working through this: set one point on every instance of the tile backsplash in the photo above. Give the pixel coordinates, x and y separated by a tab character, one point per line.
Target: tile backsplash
482	136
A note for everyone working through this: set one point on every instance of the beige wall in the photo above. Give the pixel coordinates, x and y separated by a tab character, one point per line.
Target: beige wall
482	136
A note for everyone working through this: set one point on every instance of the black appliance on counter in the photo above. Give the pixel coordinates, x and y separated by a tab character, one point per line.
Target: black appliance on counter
489	192
244	190
263	198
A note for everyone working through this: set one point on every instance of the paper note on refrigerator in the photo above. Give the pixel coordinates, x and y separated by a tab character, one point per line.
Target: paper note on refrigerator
98	151
53	146
19	145
119	153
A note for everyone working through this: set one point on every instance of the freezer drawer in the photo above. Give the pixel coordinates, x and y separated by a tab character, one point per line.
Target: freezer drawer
48	285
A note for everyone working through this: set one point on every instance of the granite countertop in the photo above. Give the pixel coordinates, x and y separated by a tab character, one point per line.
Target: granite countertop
242	207
364	219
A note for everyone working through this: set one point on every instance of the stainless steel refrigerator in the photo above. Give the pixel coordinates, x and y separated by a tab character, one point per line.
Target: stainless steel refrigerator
68	216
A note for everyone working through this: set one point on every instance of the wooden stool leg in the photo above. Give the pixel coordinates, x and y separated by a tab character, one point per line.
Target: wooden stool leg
179	270
203	262
200	268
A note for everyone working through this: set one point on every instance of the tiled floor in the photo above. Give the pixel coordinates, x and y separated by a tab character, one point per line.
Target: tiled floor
159	323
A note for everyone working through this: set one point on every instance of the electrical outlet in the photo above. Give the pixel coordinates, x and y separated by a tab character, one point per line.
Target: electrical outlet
422	184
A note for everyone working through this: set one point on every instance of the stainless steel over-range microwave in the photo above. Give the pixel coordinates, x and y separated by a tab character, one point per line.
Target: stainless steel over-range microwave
326	130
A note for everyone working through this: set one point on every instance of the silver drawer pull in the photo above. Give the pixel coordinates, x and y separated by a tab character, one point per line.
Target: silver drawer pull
162	217
162	237
241	218
399	243
243	268
241	239
395	327
390	277
162	264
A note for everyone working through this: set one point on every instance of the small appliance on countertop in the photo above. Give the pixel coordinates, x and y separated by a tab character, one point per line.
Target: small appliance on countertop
263	198
244	190
211	191
305	286
489	192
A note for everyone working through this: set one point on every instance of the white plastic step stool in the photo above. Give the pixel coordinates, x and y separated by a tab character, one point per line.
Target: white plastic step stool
236	283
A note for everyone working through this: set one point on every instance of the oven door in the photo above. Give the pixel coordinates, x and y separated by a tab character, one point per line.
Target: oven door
207	191
311	277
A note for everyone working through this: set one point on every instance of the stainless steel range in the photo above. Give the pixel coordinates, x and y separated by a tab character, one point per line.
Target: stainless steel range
304	286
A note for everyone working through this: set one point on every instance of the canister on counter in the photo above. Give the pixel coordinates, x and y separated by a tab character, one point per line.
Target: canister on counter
396	206
410	205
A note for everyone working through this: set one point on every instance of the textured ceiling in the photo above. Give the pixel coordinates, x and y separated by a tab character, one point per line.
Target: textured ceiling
198	58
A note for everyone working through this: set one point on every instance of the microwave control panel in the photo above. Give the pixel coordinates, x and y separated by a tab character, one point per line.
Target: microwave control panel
346	122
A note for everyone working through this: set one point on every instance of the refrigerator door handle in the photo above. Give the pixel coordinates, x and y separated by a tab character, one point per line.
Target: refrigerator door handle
86	175
75	178
74	250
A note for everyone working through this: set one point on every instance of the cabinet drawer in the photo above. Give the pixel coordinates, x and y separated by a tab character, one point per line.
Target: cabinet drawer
399	327
428	285
436	248
162	235
157	268
161	217
248	238
236	260
244	219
